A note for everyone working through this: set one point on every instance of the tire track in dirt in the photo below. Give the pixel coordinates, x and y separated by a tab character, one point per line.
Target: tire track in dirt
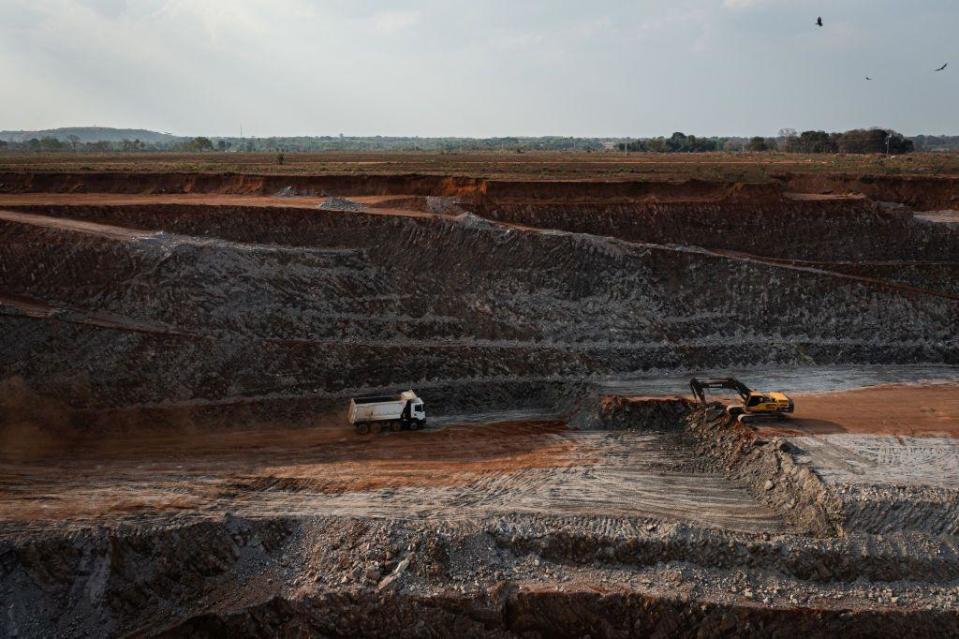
459	472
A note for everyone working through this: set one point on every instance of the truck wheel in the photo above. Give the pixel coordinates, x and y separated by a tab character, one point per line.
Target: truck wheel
396	427
419	424
363	429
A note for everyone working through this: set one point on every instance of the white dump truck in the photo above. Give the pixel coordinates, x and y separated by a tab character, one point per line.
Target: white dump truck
396	412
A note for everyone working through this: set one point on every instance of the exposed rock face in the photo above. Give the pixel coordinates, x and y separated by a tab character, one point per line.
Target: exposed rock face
921	193
225	302
769	469
552	614
496	578
824	231
479	294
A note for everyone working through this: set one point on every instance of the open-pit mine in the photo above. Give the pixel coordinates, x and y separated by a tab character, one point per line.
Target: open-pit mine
178	349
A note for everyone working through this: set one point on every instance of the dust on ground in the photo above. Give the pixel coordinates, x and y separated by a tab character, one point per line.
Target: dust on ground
898	410
450	472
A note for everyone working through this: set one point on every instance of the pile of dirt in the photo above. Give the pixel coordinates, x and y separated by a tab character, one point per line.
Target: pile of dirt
286	191
340	204
615	412
443	205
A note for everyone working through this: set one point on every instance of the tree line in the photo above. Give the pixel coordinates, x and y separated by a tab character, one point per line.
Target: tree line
789	141
48	144
678	142
853	141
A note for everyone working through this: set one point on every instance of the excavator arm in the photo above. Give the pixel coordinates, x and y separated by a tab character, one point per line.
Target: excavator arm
729	383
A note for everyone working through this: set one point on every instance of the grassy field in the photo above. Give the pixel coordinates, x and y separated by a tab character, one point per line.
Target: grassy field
740	167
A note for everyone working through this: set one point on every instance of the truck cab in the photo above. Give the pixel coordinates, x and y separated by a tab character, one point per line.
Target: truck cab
415	412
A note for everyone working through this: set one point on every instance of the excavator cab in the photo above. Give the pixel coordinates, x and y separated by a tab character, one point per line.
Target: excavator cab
755	405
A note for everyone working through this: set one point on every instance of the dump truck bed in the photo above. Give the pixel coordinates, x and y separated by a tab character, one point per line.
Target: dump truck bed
373	408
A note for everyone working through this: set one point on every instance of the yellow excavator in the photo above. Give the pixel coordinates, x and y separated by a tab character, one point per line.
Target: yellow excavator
756	405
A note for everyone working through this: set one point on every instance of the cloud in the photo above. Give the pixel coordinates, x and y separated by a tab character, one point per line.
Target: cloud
491	68
743	4
388	22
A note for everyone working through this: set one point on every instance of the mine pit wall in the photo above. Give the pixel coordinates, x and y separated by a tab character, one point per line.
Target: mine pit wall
824	231
239	184
938	277
356	309
114	582
880	510
770	470
243	577
467	188
550	613
819	561
766	467
920	193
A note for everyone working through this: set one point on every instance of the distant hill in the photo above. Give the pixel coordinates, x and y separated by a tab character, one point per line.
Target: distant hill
92	134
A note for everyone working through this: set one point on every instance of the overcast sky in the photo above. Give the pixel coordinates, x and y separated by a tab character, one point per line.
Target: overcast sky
479	68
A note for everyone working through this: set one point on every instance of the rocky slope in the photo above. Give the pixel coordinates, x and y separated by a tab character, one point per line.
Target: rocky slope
226	301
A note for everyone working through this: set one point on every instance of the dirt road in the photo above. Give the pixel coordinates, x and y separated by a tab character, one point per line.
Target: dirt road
448	473
459	470
77	226
386	204
901	410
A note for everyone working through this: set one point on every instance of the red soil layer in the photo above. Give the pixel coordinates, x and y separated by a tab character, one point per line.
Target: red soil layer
633	191
469	189
881	410
237	184
923	193
329	458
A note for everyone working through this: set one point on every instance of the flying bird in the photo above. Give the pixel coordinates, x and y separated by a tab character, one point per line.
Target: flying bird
819	21
943	67
868	78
